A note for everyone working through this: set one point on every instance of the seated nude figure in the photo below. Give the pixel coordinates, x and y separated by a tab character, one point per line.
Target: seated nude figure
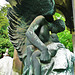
43	33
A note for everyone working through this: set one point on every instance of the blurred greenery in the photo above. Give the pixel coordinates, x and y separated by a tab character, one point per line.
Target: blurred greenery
64	37
4	39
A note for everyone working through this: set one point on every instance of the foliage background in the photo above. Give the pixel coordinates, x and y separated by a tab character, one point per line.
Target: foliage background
65	37
4	39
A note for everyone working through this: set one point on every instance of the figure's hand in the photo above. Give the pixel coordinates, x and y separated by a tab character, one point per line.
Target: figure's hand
45	56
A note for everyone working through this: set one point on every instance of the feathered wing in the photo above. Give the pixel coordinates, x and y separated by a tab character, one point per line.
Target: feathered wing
21	16
17	31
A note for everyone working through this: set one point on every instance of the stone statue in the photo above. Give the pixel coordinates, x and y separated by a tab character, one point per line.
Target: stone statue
30	23
61	63
44	37
20	21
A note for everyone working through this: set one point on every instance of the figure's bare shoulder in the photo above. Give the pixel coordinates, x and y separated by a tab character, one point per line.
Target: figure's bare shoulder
39	19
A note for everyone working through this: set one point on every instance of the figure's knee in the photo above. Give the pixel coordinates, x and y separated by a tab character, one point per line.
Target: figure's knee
30	49
36	54
36	59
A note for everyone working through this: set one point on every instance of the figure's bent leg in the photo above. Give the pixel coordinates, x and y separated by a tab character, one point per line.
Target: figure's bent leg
30	49
36	63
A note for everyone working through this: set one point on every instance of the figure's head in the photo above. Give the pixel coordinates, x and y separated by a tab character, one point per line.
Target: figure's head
58	26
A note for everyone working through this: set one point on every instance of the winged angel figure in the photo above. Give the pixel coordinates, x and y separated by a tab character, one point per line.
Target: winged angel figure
30	23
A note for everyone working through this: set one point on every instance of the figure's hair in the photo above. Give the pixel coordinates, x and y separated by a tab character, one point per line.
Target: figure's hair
59	23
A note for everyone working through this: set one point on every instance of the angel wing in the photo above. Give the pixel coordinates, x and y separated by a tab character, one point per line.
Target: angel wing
20	17
17	31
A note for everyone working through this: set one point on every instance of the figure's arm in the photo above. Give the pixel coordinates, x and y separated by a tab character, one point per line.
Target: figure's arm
34	39
31	35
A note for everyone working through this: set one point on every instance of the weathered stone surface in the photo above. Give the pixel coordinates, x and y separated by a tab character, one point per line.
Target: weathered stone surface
30	23
61	63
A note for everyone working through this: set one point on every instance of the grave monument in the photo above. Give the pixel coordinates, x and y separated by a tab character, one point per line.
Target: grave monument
41	52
